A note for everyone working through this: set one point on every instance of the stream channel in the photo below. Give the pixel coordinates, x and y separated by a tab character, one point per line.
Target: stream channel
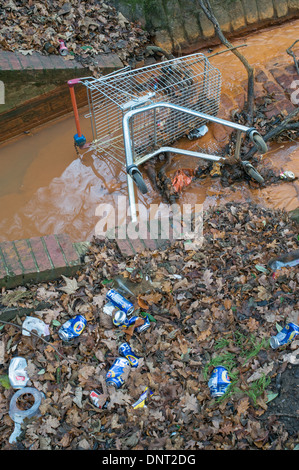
45	187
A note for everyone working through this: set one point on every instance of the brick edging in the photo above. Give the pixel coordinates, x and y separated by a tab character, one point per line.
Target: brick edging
37	259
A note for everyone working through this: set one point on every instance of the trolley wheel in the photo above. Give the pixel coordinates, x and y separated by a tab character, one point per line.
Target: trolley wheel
260	143
139	182
252	172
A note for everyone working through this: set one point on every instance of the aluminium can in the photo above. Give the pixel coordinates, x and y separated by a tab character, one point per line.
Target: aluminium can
143	327
17	374
126	351
120	319
140	403
72	328
114	374
96	399
219	382
120	302
285	336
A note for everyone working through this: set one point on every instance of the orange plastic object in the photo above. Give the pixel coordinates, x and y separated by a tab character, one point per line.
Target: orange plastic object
181	180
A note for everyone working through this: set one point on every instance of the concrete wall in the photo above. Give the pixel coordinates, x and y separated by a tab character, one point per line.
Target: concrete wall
182	26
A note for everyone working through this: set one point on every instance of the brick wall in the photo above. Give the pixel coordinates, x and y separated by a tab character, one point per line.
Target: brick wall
36	90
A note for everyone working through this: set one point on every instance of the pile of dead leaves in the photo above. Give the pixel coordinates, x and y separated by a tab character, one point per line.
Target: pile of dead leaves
217	304
87	28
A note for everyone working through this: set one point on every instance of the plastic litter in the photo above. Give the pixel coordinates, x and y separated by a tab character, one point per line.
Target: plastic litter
199	132
287	260
181	180
17	374
287	175
18	415
33	323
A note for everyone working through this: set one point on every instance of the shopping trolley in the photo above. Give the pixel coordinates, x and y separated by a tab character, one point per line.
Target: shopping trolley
137	114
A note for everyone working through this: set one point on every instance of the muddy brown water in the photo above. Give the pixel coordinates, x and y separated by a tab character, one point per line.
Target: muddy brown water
46	188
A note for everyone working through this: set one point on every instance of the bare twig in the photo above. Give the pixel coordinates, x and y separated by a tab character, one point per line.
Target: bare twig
226	50
34	334
206	7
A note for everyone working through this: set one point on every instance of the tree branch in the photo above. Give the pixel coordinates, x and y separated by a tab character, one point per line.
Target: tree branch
206	7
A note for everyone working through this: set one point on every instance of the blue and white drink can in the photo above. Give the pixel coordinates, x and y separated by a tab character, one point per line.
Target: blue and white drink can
114	374
143	327
72	328
120	302
120	319
219	382
126	351
285	336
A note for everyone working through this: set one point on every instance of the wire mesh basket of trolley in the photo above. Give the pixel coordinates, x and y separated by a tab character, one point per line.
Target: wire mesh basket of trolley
138	114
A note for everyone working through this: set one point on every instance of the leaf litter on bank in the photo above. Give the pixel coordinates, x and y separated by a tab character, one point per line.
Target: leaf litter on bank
211	306
87	28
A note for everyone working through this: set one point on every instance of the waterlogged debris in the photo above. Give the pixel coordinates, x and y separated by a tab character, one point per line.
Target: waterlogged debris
18	415
35	324
287	175
216	170
199	132
181	180
17	373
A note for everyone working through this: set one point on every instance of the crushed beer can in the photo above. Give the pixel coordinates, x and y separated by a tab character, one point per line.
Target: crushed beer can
35	324
114	374
126	351
120	319
140	403
72	328
219	382
17	373
143	327
120	302
285	336
287	175
99	400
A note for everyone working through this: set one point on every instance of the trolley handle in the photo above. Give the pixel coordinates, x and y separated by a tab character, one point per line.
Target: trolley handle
79	138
